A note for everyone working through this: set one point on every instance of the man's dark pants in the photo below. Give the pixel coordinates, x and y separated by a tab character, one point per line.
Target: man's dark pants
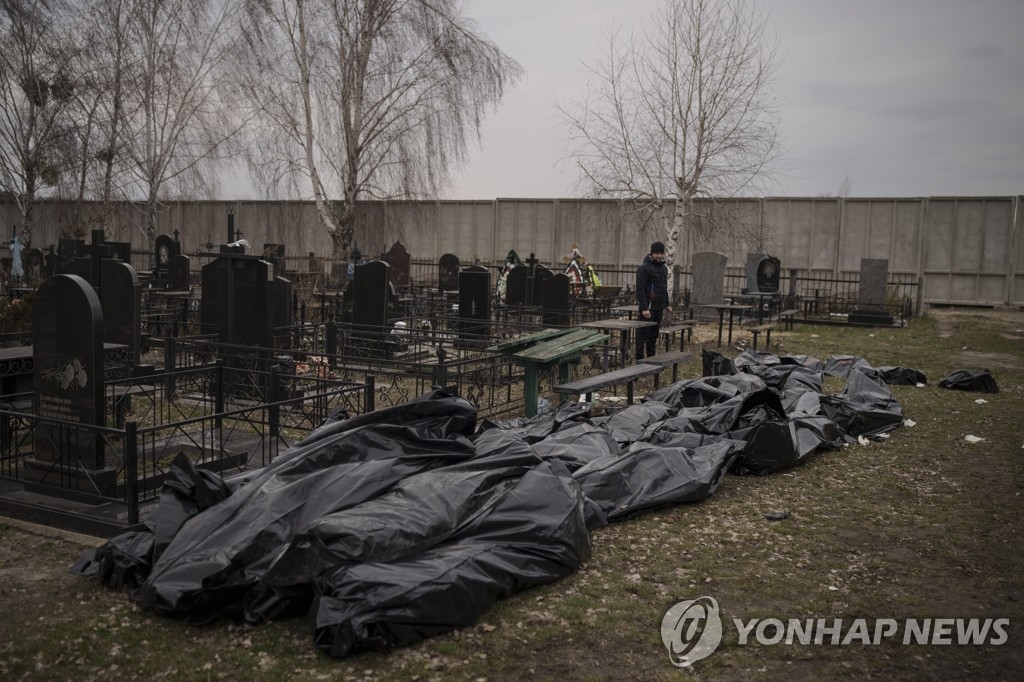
647	337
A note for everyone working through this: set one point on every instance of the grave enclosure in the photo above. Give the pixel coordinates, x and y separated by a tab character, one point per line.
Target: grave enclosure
232	364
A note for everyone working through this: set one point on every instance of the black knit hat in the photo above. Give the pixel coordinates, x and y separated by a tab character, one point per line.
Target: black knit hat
658	247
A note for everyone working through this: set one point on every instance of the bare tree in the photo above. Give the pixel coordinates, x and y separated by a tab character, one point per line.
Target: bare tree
683	111
171	115
365	99
36	137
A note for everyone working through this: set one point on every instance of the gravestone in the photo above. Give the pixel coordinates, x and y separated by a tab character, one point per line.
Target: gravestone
370	295
750	269
67	356
34	264
556	300
516	283
236	299
400	265
474	302
708	278
768	272
69	248
178	269
123	250
280	304
370	292
448	273
874	275
52	263
117	286
166	248
274	254
872	294
540	275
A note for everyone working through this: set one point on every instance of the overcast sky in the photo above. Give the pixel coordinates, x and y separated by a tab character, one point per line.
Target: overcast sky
904	97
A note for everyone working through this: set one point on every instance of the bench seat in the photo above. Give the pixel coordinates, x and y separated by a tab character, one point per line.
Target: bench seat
663	360
767	329
684	329
786	317
625	375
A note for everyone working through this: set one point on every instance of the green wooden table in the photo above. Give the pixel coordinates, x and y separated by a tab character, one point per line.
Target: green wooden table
545	349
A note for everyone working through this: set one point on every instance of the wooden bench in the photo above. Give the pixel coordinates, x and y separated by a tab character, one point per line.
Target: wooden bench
767	329
786	317
685	331
626	375
663	360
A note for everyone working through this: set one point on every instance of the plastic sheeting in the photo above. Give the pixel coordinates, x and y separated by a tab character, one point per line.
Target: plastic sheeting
975	380
406	522
902	376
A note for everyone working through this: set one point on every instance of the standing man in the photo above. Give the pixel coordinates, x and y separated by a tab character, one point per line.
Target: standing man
652	297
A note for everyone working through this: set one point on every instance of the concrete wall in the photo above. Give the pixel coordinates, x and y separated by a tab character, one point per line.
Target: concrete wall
966	250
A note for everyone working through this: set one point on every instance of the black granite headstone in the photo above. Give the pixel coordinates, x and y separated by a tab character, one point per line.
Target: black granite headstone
515	286
236	300
178	269
33	260
768	271
401	265
474	302
67	356
448	273
280	303
123	250
274	254
69	248
540	275
555	300
370	295
166	249
750	270
52	264
121	298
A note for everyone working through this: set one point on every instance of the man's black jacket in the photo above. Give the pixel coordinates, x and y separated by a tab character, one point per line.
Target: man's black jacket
652	284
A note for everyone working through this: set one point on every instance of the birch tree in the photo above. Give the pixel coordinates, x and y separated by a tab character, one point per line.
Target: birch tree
365	99
684	110
37	142
176	99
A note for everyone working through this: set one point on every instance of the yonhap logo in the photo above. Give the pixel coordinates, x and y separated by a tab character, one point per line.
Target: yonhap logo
691	630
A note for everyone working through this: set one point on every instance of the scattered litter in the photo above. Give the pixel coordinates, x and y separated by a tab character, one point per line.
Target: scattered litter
862	440
909	422
973	439
776	516
883	436
871	336
920	385
981	401
814	336
832	588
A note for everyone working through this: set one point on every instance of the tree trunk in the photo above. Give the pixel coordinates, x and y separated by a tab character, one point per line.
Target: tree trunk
674	228
152	207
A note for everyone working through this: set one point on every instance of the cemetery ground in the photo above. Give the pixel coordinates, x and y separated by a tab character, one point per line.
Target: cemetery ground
923	524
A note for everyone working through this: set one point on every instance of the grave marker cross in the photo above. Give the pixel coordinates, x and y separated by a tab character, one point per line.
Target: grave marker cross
97	251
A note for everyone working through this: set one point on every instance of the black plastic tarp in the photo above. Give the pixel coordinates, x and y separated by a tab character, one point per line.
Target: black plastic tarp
527	530
974	380
409	521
